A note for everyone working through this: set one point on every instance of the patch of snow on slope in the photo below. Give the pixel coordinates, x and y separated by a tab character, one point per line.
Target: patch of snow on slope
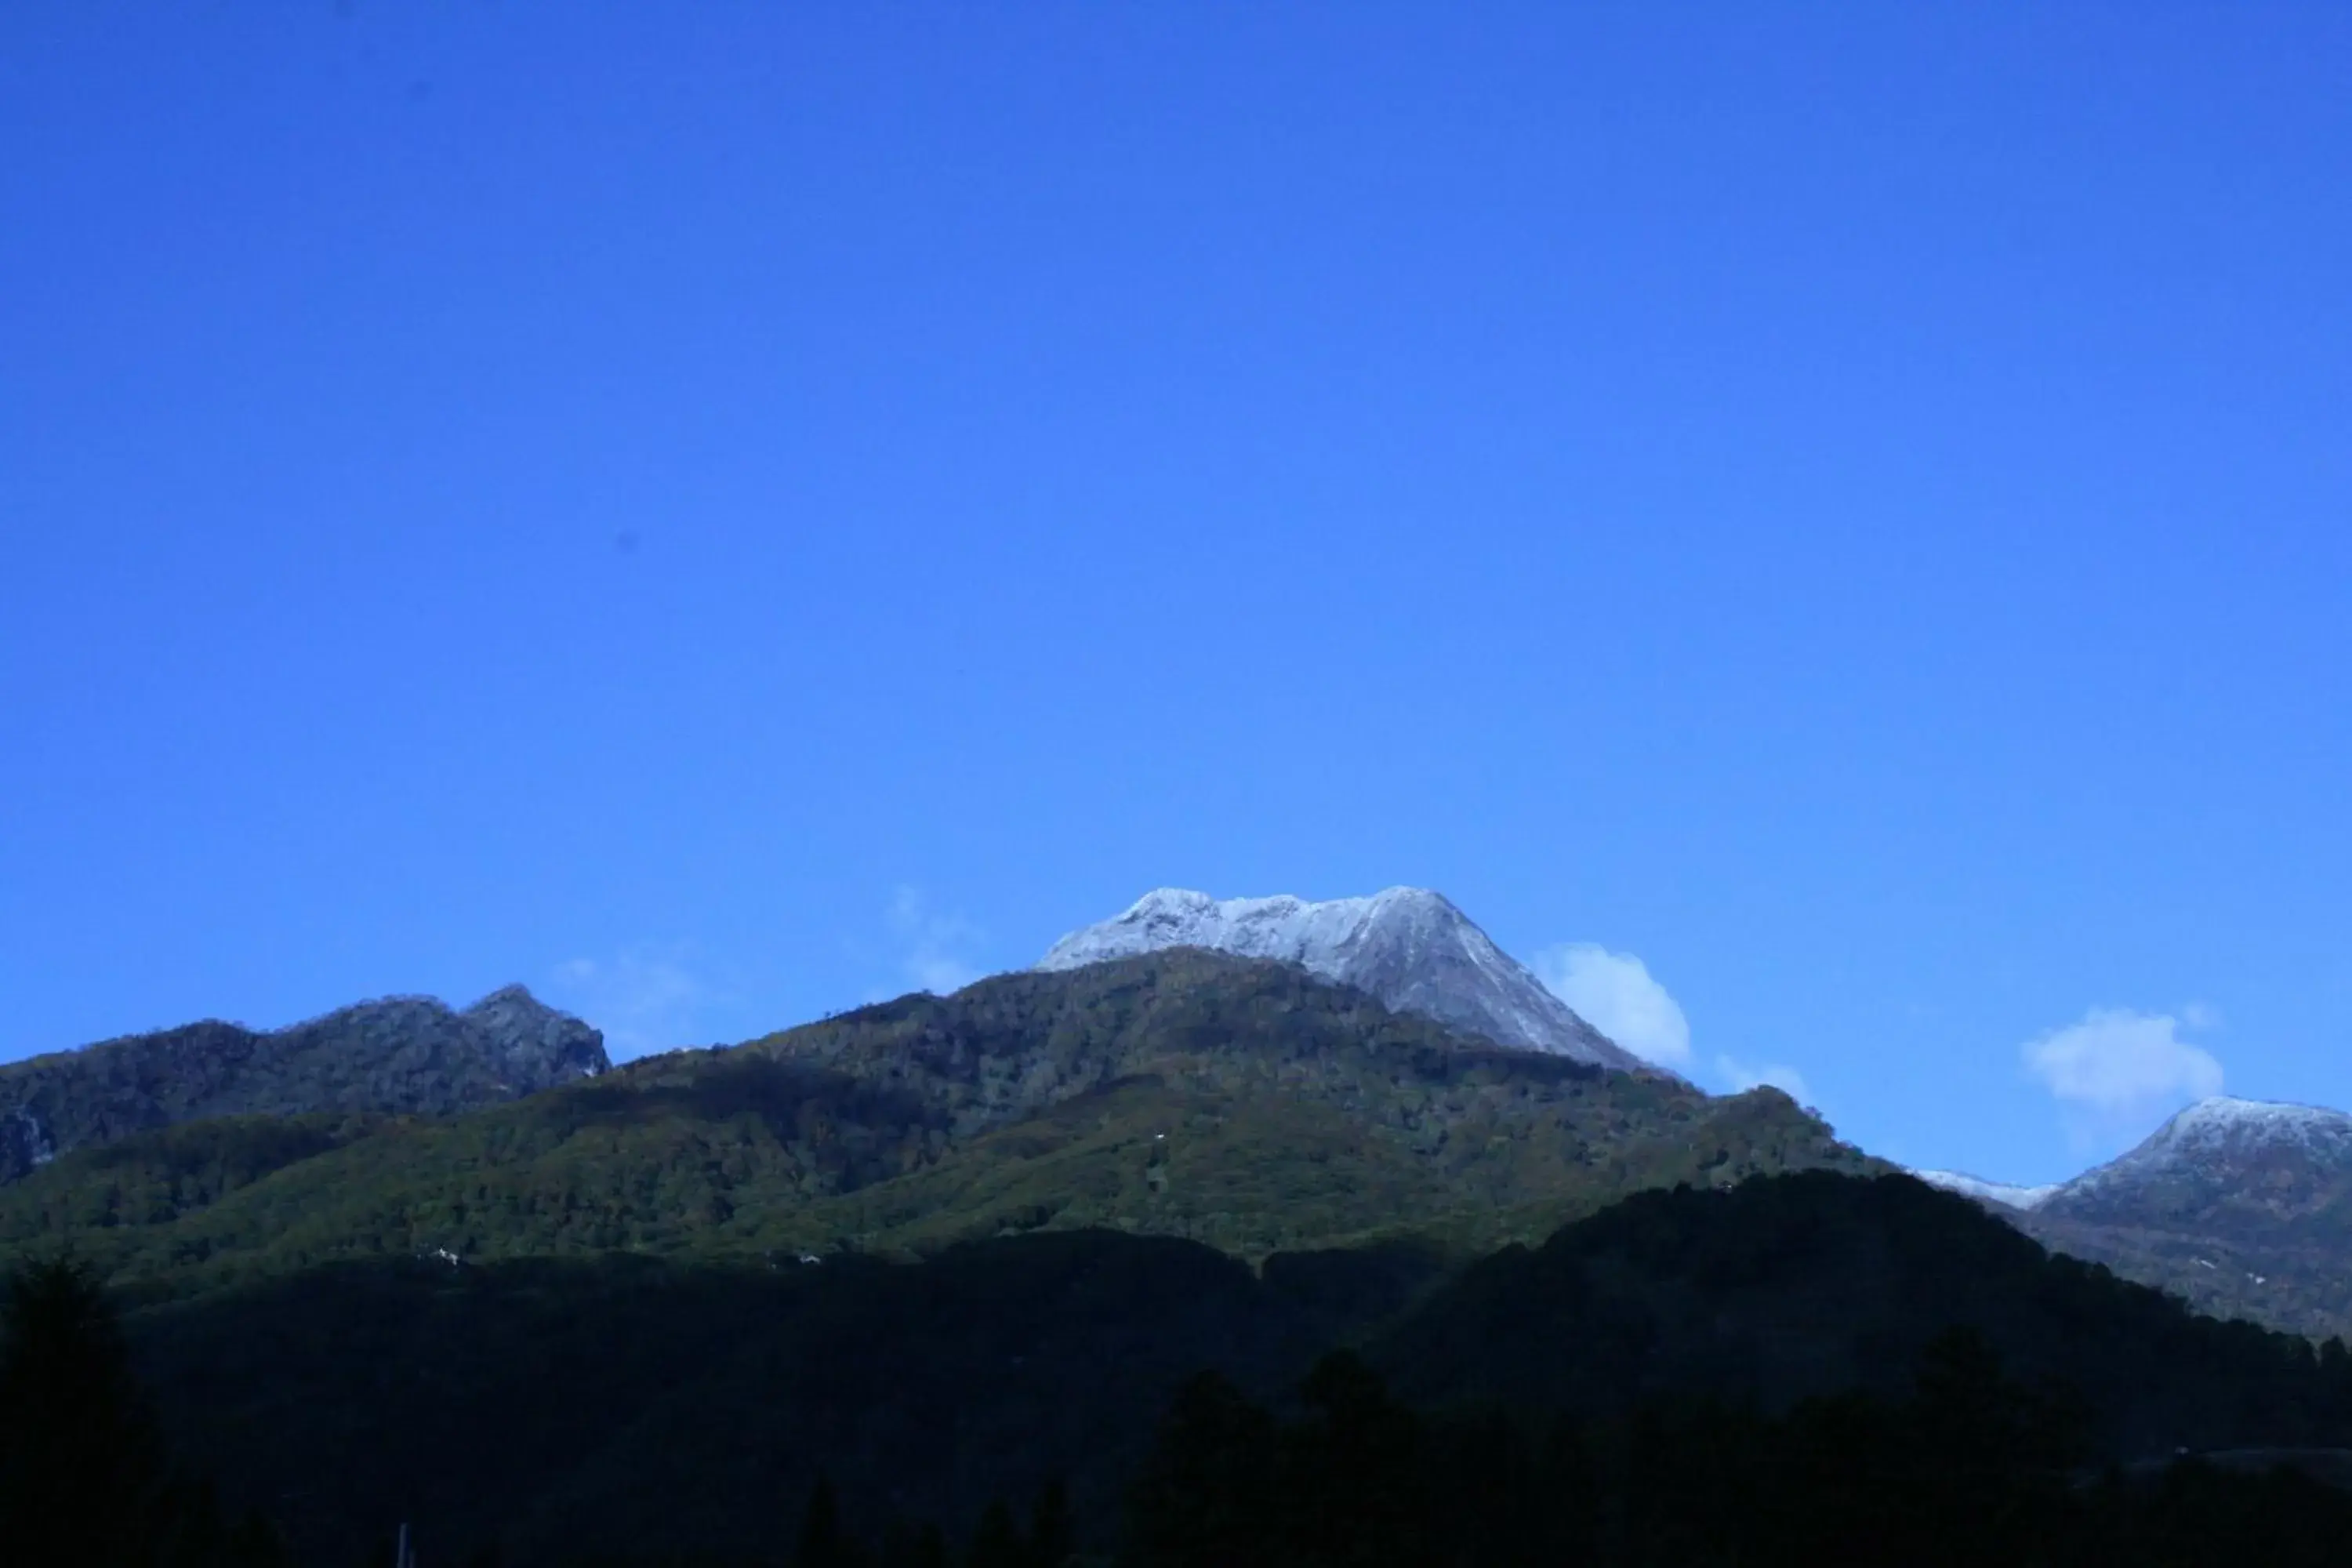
2003	1193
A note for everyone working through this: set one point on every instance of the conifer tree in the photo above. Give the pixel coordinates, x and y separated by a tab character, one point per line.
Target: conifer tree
83	1477
823	1544
906	1546
996	1542
1052	1537
1207	1494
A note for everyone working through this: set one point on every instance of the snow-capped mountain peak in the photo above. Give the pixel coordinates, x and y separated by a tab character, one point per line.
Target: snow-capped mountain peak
2206	1154
1410	947
2221	1121
2219	1151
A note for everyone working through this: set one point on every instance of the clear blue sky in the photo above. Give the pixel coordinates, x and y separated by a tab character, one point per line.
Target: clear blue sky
719	513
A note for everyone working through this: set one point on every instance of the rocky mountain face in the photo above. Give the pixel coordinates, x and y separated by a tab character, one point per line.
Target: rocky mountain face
1408	947
2242	1207
403	1055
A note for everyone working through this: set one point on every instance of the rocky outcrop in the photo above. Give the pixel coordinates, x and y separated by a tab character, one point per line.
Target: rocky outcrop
402	1056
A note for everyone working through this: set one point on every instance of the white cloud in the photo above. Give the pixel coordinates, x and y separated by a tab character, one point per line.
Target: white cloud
935	948
2119	1071
1614	993
643	998
1738	1077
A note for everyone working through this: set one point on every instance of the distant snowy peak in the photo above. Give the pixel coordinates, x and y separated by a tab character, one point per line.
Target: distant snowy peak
2002	1192
1407	946
2223	1123
2221	1142
2220	1151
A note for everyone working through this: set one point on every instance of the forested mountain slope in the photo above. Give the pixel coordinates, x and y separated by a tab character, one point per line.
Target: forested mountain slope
1239	1102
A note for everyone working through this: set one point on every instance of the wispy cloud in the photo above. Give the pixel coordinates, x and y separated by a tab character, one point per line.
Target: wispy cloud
644	998
1615	993
2117	1072
1738	1077
936	949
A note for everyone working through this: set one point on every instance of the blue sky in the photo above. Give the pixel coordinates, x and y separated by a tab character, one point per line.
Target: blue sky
723	512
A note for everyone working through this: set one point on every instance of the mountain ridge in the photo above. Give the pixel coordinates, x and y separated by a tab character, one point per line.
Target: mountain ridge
1244	1103
394	1055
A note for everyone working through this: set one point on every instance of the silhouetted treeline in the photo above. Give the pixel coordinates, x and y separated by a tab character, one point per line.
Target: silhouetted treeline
1044	1539
1969	1470
1789	1288
638	1408
1720	1376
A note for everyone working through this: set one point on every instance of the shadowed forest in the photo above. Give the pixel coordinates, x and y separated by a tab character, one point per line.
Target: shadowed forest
1802	1369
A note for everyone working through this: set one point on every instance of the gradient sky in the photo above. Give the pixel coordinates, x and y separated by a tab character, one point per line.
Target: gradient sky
723	512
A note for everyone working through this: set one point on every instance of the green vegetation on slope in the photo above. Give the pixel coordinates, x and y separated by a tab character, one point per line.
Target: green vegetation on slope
1240	1103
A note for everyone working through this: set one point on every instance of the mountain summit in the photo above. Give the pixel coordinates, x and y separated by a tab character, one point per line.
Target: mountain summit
2238	1162
2218	1156
398	1056
1408	947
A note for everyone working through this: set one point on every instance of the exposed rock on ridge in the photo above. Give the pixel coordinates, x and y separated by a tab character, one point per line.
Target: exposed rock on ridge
1408	947
403	1055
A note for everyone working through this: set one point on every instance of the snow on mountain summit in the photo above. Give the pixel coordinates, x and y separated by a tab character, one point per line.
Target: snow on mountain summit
2221	1120
2211	1150
1410	947
2220	1150
1283	927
